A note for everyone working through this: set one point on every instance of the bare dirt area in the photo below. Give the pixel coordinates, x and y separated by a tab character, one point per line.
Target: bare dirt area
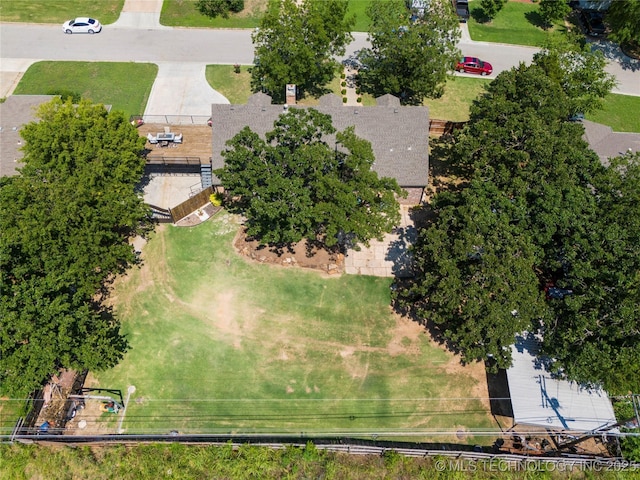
299	255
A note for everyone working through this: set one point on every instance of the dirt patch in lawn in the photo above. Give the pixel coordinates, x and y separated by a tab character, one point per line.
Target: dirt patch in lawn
298	255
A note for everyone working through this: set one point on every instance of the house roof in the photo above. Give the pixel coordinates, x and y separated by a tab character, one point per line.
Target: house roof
539	398
398	134
607	143
16	111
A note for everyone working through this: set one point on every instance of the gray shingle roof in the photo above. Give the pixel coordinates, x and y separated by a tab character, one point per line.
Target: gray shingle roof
16	111
607	143
399	135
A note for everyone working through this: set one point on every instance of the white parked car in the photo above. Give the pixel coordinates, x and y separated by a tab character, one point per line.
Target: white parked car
81	25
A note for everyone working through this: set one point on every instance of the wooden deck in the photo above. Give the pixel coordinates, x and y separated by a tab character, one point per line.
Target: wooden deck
196	142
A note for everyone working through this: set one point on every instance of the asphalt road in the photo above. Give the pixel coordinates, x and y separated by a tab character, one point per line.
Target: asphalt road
22	44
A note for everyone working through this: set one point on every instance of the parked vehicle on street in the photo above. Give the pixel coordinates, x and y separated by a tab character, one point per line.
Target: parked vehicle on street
462	9
81	25
593	22
474	65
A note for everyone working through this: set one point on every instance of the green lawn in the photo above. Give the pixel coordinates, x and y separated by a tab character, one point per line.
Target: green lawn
183	13
220	344
124	86
458	95
59	11
517	23
620	112
235	86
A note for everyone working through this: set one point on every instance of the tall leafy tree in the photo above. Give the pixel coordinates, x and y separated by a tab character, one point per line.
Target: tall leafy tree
297	43
215	8
551	10
409	58
579	70
491	7
66	220
294	184
623	18
595	335
526	208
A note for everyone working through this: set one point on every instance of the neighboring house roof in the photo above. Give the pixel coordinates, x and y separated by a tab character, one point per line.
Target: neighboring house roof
540	399
607	143
399	135
16	111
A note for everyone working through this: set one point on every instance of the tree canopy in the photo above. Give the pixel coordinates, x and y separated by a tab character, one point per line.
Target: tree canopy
409	57
623	18
215	8
579	70
551	10
66	221
532	240
296	43
491	7
298	184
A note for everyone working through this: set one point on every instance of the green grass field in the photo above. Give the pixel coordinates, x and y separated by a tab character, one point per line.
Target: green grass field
517	23
183	13
220	344
59	11
124	86
620	112
458	95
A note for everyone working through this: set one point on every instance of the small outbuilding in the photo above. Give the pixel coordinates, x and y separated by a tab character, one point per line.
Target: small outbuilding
540	399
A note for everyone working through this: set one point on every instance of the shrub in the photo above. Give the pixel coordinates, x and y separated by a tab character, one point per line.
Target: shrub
359	99
344	84
216	199
236	68
343	75
344	99
358	91
343	91
65	94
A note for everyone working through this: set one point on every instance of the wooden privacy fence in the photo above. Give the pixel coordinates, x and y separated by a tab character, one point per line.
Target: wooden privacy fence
442	127
189	206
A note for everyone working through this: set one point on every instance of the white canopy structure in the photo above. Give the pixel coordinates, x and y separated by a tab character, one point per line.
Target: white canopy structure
540	399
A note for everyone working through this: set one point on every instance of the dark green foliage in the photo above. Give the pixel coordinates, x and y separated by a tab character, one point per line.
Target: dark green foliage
538	208
297	44
491	7
294	185
409	59
623	18
579	70
215	8
551	10
65	94
66	220
596	334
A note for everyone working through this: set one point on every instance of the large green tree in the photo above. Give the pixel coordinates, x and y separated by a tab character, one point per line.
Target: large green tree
528	201
66	221
579	70
491	7
595	334
215	8
297	43
551	10
409	58
623	18
294	184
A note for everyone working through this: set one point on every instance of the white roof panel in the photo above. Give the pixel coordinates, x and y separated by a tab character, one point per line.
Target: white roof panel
538	398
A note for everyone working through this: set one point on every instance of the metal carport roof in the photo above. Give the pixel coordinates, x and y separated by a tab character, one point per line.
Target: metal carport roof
541	399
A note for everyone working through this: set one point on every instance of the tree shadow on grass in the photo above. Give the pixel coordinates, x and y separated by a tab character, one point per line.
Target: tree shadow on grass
478	15
535	19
